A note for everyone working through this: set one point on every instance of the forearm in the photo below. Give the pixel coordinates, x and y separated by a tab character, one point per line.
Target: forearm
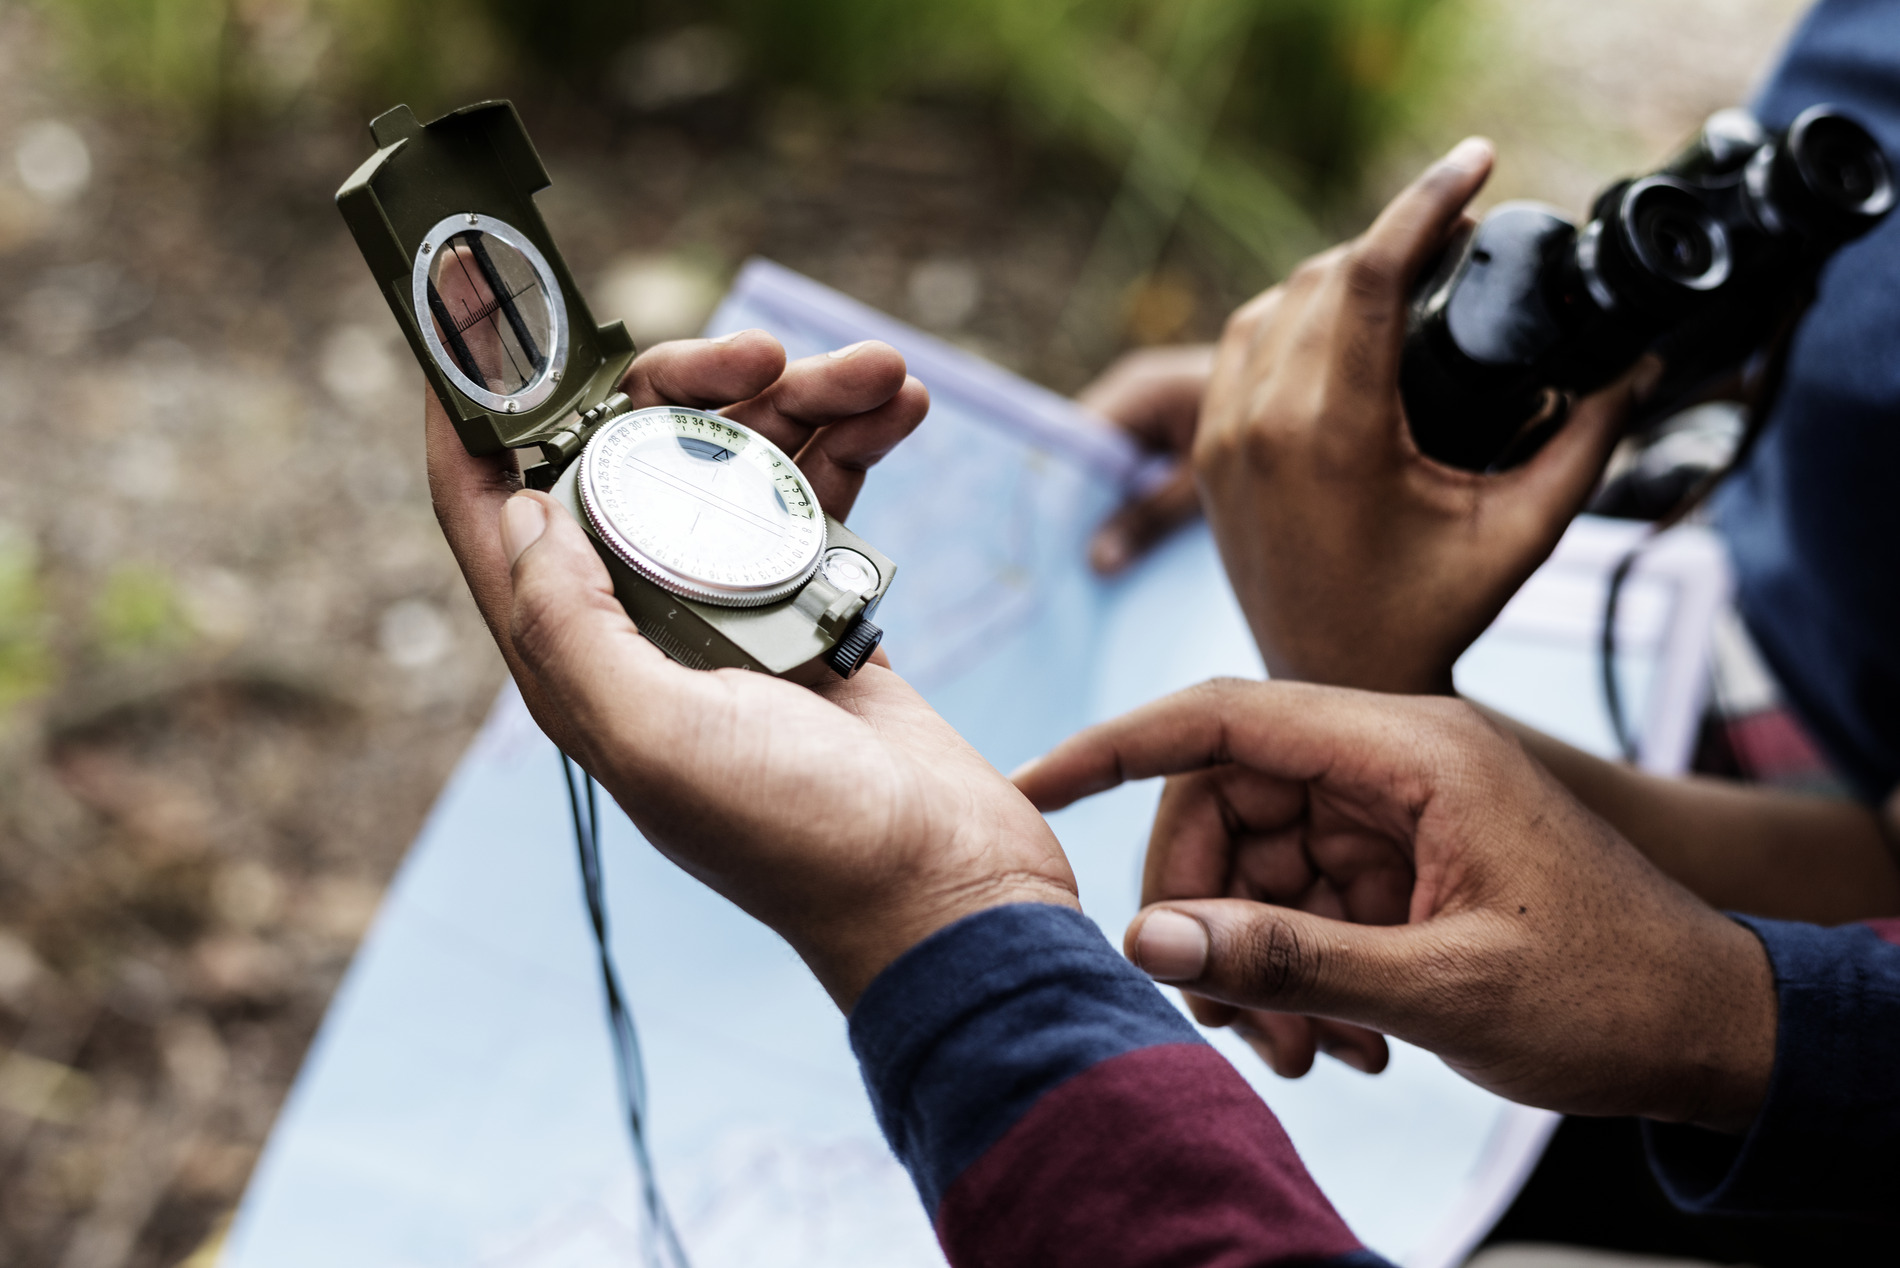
1737	847
1054	1109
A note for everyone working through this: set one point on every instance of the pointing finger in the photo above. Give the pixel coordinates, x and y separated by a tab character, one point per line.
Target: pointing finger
1283	730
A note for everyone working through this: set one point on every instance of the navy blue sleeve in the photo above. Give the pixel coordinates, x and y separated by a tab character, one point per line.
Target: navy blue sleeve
1811	518
1827	1140
1053	1108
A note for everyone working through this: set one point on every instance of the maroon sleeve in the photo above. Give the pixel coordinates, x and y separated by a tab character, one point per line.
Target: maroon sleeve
1055	1109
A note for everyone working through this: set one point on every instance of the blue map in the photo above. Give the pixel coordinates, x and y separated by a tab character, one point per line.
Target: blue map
458	1107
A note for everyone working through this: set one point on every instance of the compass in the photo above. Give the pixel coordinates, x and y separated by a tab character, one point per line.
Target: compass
715	540
702	506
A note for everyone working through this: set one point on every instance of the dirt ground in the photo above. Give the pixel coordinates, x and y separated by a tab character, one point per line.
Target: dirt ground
236	661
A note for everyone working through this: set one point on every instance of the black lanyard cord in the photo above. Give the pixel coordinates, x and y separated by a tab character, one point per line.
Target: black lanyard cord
663	1243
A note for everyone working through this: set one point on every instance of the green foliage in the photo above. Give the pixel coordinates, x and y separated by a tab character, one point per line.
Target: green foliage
208	64
171	52
1247	115
1311	81
138	611
26	661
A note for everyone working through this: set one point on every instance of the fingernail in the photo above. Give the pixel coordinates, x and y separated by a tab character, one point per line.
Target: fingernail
1171	947
839	354
523	520
728	337
1109	553
1469	154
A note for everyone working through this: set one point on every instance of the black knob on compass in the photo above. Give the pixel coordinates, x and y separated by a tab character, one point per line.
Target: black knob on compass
854	649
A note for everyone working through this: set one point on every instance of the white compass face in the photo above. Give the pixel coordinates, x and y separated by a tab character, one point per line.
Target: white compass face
707	508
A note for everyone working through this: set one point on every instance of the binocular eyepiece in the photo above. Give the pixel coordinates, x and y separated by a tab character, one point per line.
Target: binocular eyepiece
1827	179
1700	262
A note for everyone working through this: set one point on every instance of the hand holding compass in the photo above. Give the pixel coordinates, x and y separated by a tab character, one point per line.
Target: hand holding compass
850	817
719	541
839	414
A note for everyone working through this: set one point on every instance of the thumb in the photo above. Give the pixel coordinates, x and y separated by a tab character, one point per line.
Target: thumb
1256	955
567	630
1414	225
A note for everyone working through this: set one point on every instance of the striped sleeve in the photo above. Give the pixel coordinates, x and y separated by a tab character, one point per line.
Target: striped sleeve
1827	1139
1054	1108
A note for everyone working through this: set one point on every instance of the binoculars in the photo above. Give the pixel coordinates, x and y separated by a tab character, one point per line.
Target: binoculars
1703	262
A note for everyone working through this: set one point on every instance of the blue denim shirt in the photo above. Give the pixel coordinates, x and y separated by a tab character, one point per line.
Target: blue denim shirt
1813	519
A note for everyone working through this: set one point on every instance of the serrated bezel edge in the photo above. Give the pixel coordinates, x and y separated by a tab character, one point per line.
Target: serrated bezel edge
658	573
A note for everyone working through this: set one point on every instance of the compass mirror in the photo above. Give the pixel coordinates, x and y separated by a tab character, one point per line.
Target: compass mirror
491	312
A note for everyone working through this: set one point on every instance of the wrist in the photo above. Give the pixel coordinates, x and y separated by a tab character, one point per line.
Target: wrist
1732	1053
847	953
1324	666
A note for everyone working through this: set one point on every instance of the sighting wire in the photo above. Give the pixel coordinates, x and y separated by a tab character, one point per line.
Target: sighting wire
487	314
663	1243
505	298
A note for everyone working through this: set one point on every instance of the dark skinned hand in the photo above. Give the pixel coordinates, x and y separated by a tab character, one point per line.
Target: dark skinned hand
1541	956
851	819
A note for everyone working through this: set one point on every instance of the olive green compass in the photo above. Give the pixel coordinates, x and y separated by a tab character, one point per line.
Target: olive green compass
715	540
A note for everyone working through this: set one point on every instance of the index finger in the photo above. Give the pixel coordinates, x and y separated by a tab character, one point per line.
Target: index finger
1292	731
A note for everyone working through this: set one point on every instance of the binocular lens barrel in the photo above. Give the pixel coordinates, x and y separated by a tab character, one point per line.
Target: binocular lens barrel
1700	262
1839	166
1673	237
1830	179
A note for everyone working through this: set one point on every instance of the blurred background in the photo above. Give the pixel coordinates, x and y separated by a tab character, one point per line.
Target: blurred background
236	660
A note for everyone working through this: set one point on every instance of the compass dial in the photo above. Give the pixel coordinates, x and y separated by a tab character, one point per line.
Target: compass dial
705	507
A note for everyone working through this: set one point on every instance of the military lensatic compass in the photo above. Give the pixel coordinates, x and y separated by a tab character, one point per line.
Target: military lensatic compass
718	548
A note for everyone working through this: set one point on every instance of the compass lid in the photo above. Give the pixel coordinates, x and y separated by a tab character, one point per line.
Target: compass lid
444	214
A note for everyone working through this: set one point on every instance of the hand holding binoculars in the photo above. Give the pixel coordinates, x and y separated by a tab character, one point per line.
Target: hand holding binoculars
1701	262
